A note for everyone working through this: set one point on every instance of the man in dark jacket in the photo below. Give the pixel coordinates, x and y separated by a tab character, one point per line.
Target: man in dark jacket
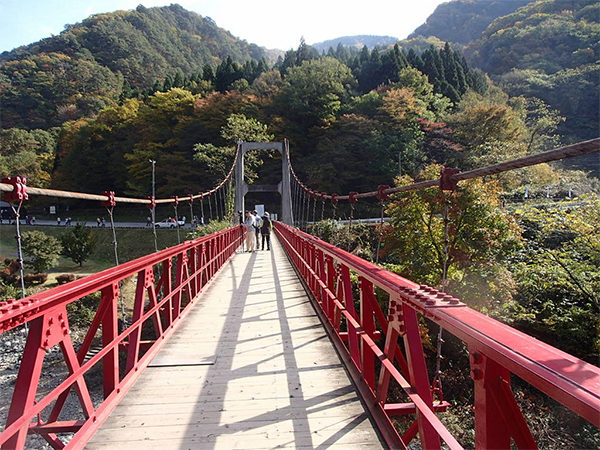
265	231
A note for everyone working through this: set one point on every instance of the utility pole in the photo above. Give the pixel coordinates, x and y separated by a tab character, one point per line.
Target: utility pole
153	162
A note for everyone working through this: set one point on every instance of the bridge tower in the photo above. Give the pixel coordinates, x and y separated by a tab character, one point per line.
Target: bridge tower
284	186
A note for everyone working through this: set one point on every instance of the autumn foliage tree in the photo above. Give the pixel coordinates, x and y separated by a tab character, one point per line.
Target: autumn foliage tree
479	235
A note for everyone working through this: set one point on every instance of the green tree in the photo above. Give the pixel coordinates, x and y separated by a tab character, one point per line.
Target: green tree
480	234
28	154
162	132
542	123
489	128
218	160
267	84
240	127
313	93
557	277
78	243
41	250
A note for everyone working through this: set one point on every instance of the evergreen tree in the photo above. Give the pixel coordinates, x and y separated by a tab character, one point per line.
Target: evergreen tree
207	73
156	86
227	72
305	53
178	79
167	84
289	60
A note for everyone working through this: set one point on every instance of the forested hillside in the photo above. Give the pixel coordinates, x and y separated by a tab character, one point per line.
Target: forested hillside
463	21
331	108
548	50
91	64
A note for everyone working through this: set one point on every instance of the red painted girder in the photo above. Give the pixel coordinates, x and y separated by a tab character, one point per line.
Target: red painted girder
226	248
401	409
571	381
426	414
16	312
64	426
567	379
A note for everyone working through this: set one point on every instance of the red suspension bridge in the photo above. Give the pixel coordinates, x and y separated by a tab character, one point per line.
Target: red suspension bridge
306	346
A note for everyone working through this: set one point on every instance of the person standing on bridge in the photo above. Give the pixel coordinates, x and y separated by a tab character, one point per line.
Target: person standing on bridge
257	225
265	230
249	224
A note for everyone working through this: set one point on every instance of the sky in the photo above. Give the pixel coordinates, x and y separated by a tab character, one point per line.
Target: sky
268	23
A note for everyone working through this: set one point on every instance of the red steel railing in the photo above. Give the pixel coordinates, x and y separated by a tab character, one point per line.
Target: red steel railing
168	283
363	333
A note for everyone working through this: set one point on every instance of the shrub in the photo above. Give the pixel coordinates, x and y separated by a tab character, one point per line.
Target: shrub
82	312
8	290
65	278
32	279
212	227
9	273
42	250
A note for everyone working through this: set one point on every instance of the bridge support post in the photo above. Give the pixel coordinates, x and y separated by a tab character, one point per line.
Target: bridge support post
284	186
498	417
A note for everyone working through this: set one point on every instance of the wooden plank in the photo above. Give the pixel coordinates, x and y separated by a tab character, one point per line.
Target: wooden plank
275	379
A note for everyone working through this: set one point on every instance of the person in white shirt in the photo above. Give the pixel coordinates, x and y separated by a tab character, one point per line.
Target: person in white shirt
249	224
257	225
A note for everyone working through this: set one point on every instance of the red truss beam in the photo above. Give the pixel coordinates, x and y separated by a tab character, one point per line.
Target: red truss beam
362	333
159	306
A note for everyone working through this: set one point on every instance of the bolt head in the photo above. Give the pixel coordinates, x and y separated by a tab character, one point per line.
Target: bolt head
476	374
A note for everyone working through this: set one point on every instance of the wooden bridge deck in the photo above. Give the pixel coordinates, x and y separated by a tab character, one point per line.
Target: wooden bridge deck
250	367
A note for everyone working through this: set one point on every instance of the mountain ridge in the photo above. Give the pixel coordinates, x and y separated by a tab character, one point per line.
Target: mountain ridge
462	21
87	66
357	41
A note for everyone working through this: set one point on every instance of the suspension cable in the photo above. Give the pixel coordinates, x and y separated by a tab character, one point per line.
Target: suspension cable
224	198
382	198
175	205
352	200
202	220
379	234
334	206
222	203
298	206
305	208
436	384
314	208
216	200
220	208
17	212
191	210
110	206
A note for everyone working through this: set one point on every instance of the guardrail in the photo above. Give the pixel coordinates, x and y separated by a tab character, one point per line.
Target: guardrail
363	332
168	283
